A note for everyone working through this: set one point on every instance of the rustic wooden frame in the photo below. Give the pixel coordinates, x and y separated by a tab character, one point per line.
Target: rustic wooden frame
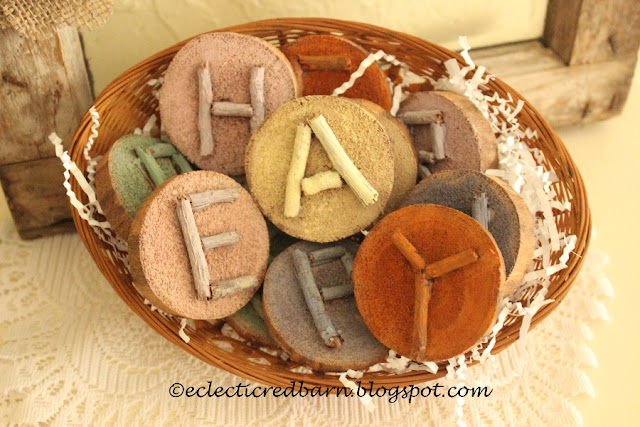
579	71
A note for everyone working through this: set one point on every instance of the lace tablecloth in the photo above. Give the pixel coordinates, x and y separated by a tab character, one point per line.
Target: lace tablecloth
72	353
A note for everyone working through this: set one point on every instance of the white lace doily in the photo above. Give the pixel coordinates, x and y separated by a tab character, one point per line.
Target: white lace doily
72	353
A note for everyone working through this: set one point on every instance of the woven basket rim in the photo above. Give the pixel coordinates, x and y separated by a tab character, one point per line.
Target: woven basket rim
271	375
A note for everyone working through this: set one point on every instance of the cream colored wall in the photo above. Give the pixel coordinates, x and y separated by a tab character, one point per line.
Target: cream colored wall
139	28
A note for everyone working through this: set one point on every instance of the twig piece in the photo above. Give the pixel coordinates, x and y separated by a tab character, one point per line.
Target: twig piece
218	240
480	209
256	303
324	62
153	169
205	98
335	292
182	164
421	315
347	261
296	170
161	149
320	182
426	156
422	117
194	248
408	250
451	263
423	171
233	286
342	163
323	256
314	301
256	89
231	109
210	197
438	135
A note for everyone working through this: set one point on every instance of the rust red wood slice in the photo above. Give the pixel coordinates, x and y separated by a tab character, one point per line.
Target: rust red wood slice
462	301
323	62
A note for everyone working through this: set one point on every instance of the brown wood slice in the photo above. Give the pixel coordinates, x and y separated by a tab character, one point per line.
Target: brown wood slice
469	142
158	256
463	303
511	225
332	214
372	85
291	325
231	57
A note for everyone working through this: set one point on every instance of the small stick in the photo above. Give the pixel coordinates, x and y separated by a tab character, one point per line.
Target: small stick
182	164
422	117
324	62
451	263
194	248
347	261
161	149
409	251
426	156
335	292
153	169
210	197
231	109
256	303
480	210
320	182
205	98
233	286
423	171
342	163
256	89
438	135
323	256
296	170
218	240
314	301
421	315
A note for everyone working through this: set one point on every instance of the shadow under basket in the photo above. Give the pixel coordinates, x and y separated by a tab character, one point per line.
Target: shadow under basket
128	102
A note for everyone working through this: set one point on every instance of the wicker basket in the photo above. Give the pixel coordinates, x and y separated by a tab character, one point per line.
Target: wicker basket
128	102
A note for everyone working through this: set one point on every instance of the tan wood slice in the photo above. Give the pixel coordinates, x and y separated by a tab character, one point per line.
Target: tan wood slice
469	142
230	75
160	265
511	223
460	306
290	322
332	214
322	63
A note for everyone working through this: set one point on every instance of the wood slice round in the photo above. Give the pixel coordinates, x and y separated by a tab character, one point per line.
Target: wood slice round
290	323
463	302
469	141
332	214
249	324
511	223
230	82
158	256
372	85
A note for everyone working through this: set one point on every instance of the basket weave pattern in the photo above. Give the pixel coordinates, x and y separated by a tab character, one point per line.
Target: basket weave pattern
128	102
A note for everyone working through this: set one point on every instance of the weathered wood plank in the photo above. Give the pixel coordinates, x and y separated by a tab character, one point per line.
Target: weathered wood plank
564	95
43	88
36	197
592	31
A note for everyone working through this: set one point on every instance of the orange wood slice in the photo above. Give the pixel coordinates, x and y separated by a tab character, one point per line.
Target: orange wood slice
462	303
469	141
372	85
511	224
